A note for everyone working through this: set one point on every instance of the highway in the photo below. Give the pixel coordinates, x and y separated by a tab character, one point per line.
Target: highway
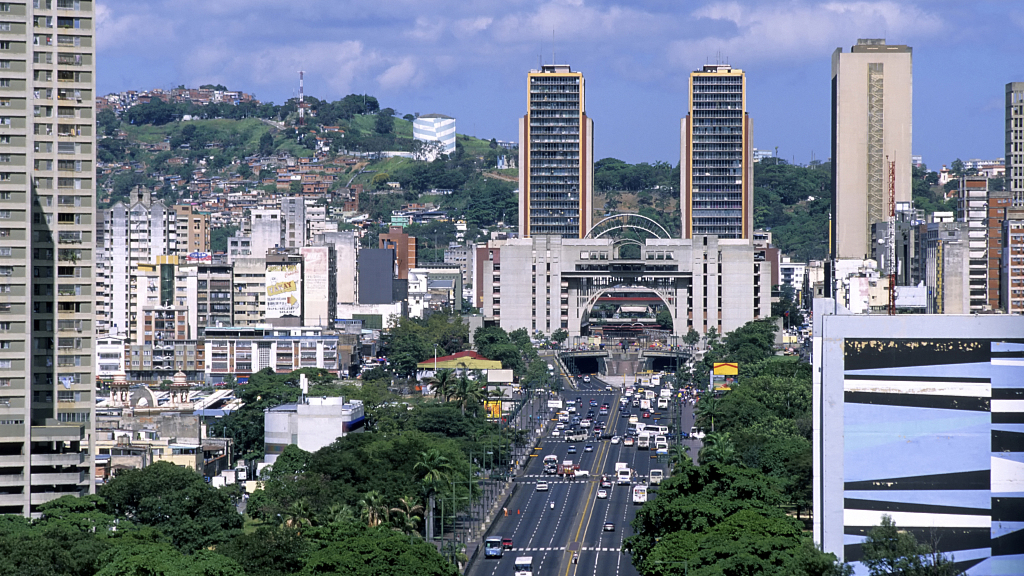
576	524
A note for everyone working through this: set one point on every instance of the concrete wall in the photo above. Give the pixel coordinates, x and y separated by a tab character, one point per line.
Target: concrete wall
915	416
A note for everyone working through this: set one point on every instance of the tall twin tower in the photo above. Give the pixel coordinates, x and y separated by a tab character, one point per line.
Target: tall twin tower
871	126
556	156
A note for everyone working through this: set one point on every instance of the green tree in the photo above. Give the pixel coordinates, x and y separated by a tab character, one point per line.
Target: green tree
888	550
266	145
692	336
717	447
373	509
664	319
219	238
385	122
361	551
560	336
176	501
443	384
267	552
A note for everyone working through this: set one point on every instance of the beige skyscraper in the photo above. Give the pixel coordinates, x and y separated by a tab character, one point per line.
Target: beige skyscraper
1015	141
872	88
556	156
47	251
716	164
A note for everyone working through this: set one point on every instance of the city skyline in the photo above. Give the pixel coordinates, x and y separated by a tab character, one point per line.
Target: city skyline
468	62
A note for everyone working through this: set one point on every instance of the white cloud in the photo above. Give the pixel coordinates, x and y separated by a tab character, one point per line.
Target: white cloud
802	30
403	74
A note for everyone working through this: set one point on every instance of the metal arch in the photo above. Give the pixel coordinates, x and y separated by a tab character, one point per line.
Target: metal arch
593	299
629	220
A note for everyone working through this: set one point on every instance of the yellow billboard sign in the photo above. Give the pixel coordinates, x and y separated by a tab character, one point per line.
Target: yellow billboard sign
726	369
493	408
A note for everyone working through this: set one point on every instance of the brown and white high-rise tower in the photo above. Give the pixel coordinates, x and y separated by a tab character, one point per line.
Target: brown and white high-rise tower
872	114
556	156
716	164
47	251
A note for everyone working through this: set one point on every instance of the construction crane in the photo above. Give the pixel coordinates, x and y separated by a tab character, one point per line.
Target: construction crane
891	259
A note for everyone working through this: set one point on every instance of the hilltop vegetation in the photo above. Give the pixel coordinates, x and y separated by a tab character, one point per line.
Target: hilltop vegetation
791	201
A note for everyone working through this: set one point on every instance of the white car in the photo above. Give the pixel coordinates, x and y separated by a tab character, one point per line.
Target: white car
586	379
556	433
616	439
560	426
602	494
542	486
581	473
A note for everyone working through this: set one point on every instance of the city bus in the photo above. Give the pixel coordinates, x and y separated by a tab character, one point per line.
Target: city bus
656	476
492	547
639	494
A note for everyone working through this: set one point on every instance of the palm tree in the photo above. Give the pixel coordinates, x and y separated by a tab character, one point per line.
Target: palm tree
298	515
436	470
679	455
339	514
718	448
443	383
407	515
469	392
708	407
374	511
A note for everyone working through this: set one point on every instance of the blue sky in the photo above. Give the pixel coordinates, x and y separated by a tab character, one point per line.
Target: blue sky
470	59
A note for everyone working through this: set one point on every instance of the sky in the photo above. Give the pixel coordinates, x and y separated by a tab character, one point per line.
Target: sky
469	60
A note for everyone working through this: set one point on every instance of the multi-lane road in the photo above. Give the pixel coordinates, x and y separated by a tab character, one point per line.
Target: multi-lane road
575	526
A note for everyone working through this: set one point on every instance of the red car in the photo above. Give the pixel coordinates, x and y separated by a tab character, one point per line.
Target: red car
506	543
646	414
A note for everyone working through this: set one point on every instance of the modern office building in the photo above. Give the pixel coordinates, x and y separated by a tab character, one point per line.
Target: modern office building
193	230
556	156
872	87
1014	156
915	417
293	210
972	209
717	174
435	128
47	252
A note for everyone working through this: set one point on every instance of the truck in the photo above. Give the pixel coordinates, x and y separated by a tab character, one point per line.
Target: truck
696	433
645	404
524	566
623	475
567	468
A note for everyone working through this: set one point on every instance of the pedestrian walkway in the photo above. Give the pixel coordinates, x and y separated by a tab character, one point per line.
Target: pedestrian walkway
562	549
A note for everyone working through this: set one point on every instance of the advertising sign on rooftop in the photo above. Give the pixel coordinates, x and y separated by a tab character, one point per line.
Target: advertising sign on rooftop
284	290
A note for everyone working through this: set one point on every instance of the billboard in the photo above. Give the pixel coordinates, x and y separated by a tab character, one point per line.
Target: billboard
199	257
316	288
493	409
284	290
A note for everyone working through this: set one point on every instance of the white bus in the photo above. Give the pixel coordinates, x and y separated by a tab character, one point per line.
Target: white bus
662	403
656	476
643	441
639	494
524	566
656	430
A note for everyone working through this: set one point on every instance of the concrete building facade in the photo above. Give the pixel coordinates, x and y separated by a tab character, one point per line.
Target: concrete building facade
556	156
553	282
310	424
1012	271
972	209
47	252
717	166
435	128
935	396
872	89
1014	152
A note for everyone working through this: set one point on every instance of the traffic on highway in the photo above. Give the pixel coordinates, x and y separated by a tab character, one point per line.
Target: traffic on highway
575	499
